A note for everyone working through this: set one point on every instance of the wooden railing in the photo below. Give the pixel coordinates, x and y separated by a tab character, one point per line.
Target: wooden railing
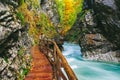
61	68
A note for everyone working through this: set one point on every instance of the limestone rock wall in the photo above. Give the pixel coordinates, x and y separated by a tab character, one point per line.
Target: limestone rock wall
100	38
49	8
15	43
97	30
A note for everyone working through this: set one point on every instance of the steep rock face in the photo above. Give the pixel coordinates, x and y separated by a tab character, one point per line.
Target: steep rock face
49	7
100	38
97	30
15	43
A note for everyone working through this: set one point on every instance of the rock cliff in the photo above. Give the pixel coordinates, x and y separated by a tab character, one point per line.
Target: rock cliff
15	43
21	24
98	32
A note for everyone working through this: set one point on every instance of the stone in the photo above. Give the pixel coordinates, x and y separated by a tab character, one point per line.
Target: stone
49	7
3	64
102	43
13	38
9	74
99	31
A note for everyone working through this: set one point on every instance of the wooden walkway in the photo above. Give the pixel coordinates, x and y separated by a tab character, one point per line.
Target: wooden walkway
41	68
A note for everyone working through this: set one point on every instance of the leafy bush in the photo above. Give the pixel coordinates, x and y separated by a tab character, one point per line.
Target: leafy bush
46	26
68	10
21	17
21	2
6	59
60	7
30	18
23	73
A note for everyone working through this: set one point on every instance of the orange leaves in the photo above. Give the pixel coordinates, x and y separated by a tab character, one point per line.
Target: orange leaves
71	9
69	4
28	15
32	19
79	4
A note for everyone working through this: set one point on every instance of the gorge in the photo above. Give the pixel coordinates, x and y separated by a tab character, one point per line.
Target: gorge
98	33
93	24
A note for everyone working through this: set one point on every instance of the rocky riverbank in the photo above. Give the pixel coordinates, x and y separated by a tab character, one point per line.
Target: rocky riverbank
99	30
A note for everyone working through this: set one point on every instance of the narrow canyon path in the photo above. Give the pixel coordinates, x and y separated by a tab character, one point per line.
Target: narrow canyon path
41	67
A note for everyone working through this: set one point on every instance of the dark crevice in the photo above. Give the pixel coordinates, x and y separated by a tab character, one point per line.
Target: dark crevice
6	44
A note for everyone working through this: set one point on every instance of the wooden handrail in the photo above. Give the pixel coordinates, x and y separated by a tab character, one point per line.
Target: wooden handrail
68	69
57	60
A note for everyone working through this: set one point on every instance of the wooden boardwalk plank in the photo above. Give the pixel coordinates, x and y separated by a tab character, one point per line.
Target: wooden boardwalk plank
41	68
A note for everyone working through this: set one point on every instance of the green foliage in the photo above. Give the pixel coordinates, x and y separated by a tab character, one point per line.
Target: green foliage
34	3
40	22
21	17
73	17
60	7
73	35
21	2
6	59
46	26
79	4
24	69
68	10
21	51
24	72
31	17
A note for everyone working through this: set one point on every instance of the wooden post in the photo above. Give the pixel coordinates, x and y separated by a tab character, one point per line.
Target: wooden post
55	62
66	66
59	62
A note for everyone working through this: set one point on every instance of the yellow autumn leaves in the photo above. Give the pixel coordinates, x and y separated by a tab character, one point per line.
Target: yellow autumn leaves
71	9
31	17
68	13
40	23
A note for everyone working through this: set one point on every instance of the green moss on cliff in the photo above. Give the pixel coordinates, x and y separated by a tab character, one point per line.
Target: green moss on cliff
40	22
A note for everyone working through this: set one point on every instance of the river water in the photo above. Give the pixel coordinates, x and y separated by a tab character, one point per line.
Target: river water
89	70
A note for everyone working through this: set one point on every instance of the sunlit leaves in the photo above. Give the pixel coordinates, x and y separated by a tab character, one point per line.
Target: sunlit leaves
21	17
40	23
30	17
47	27
60	7
68	11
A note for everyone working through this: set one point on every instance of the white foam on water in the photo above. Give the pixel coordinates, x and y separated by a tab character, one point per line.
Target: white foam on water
88	70
71	60
74	66
68	51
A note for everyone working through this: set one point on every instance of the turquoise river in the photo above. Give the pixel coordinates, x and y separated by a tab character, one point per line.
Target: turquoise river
89	70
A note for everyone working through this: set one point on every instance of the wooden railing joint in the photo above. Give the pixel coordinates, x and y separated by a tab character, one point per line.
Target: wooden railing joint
57	60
